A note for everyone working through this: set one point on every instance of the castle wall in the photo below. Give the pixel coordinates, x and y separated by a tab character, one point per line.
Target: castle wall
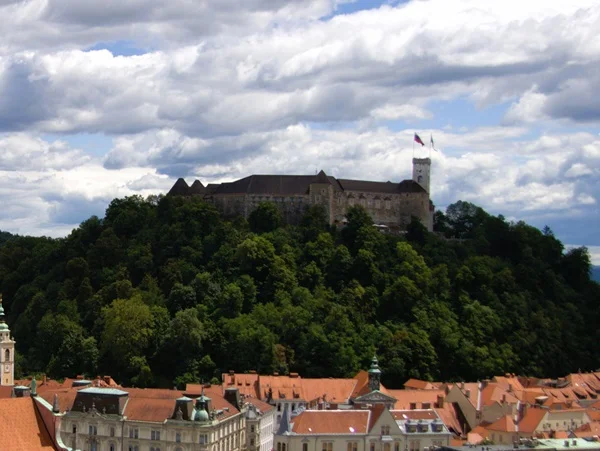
392	210
292	208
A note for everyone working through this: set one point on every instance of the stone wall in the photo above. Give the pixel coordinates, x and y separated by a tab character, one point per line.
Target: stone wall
392	210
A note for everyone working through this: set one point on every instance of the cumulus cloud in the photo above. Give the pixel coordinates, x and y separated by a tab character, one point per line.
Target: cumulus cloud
222	89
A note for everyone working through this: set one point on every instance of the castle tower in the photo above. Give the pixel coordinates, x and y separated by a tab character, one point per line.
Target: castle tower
7	352
422	171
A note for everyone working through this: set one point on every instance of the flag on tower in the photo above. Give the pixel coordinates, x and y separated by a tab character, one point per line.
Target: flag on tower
419	140
432	143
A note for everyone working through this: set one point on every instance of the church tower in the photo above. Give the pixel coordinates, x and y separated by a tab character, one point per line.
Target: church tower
422	171
374	375
7	352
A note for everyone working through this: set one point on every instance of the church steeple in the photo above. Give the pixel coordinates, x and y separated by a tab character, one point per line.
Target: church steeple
374	375
7	351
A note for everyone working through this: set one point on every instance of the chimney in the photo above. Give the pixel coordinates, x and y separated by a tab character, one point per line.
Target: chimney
294	375
44	380
462	385
440	401
232	375
232	395
503	398
510	388
275	373
252	371
107	380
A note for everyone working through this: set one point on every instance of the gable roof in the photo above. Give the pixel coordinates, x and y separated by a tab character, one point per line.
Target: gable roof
22	427
331	422
531	420
417	384
180	188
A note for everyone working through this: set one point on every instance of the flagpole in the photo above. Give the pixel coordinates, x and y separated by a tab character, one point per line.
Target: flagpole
413	146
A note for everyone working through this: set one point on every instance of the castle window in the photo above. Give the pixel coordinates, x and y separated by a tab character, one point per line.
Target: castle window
318	198
388	204
178	437
370	203
420	179
351	202
377	204
112	432
362	202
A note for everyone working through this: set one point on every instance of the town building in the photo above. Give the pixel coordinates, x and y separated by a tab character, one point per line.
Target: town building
390	204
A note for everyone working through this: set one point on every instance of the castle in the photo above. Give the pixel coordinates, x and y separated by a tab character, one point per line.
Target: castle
391	205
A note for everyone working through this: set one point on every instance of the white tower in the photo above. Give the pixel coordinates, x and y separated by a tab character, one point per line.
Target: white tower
7	352
422	171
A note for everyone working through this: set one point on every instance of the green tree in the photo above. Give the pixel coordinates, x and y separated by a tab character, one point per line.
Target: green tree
266	217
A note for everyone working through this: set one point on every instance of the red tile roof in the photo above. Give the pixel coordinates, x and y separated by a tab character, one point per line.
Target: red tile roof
588	430
332	422
149	409
21	426
404	398
531	420
503	424
417	384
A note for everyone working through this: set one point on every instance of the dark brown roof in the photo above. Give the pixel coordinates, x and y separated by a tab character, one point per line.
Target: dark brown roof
180	188
406	186
197	188
292	184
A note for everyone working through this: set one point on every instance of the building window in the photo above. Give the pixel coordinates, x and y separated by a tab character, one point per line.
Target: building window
278	446
252	428
133	433
112	432
352	446
327	446
305	447
426	405
397	446
387	447
372	447
278	407
251	442
154	435
385	430
112	447
7	355
413	405
93	445
93	430
388	204
377	204
74	428
351	202
203	439
152	448
178	437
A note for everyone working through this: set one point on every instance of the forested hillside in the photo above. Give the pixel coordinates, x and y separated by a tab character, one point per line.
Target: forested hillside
163	290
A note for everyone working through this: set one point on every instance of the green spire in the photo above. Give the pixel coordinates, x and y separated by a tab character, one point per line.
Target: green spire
3	325
374	366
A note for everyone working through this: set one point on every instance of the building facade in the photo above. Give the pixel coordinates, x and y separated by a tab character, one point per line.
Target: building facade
109	419
389	204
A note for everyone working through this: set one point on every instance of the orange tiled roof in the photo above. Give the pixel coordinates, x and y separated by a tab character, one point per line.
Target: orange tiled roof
531	420
149	409
247	384
332	422
417	384
21	426
404	398
588	430
503	424
496	393
333	390
260	405
508	382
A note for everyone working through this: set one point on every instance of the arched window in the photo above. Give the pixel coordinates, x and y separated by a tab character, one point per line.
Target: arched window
283	447
420	179
7	355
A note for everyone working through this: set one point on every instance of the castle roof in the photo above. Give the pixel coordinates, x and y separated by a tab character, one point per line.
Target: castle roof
287	185
181	188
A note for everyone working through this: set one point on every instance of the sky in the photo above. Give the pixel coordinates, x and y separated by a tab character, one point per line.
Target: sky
107	99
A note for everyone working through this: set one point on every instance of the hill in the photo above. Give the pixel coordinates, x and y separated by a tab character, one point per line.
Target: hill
595	273
164	290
